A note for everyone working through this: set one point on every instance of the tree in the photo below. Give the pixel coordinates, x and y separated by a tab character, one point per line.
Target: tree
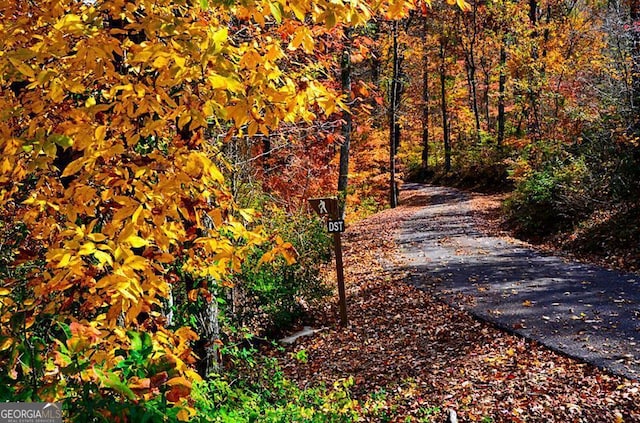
425	94
345	76
110	166
634	13
446	135
394	127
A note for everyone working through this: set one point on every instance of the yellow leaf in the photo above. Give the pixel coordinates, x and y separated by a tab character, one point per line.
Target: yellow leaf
103	257
222	82
66	258
136	241
56	92
266	258
184	119
87	248
184	415
297	10
161	61
247	214
297	39
74	167
6	344
463	5
136	262
276	11
308	43
179	381
97	237
136	214
221	35
100	133
4	291
70	22
22	68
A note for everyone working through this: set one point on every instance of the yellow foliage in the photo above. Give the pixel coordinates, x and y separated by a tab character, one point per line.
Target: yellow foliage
104	114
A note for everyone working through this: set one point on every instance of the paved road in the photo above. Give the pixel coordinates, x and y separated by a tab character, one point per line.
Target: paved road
581	310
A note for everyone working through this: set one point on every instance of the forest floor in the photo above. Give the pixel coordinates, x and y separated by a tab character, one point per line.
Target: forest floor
423	355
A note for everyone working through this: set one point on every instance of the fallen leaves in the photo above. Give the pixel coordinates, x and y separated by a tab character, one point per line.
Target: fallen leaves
428	356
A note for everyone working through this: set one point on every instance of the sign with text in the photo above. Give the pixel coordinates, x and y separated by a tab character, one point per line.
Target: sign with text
325	206
328	209
334	226
30	412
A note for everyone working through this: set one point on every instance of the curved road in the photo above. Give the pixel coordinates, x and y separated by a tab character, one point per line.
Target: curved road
581	310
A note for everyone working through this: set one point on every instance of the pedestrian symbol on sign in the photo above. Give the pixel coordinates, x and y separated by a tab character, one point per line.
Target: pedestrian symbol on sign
322	207
325	207
328	210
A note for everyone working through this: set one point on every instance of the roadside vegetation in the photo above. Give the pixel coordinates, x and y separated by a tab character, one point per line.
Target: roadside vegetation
156	159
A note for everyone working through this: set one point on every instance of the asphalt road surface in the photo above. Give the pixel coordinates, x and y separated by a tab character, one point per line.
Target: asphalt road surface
584	311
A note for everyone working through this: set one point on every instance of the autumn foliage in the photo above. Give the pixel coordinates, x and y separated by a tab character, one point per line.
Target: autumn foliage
113	195
135	133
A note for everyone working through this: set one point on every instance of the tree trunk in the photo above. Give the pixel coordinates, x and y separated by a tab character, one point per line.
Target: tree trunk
635	64
486	71
473	90
376	65
501	93
470	62
393	106
445	119
345	65
425	99
533	78
209	332
266	151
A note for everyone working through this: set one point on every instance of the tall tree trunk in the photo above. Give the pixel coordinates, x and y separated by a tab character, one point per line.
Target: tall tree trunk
533	15
635	64
443	94
473	90
501	92
470	62
425	98
266	151
533	78
393	110
376	65
486	72
209	332
345	65
208	329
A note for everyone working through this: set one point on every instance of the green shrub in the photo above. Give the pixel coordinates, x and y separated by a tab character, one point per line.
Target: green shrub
549	199
273	295
261	393
559	185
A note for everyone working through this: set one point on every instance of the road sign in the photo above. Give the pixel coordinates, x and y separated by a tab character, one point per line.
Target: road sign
328	209
325	207
334	226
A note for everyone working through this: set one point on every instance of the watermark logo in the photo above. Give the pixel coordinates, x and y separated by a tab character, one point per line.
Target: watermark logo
30	412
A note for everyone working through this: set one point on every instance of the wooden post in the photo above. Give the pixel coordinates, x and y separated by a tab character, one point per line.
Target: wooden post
337	243
329	210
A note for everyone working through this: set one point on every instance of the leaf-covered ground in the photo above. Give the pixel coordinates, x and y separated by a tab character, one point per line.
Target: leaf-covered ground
427	357
607	237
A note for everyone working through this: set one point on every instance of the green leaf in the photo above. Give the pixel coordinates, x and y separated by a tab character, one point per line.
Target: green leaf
140	341
113	381
276	11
